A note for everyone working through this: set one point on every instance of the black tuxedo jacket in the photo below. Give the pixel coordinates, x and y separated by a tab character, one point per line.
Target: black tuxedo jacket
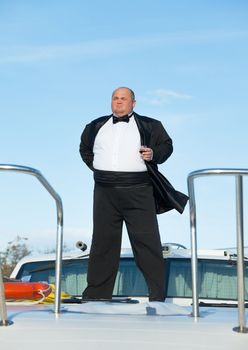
153	135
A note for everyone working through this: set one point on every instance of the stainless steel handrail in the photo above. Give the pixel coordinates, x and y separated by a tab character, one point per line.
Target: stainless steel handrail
59	239
238	173
3	312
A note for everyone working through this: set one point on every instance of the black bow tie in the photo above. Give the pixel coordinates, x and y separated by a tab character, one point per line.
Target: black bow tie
125	119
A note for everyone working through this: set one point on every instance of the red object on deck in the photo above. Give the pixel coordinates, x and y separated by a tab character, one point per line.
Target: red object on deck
26	290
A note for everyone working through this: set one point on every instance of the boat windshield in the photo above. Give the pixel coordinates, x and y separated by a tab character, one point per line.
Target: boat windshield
217	278
129	280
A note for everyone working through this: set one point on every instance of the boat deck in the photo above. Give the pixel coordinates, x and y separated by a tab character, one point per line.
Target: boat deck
121	326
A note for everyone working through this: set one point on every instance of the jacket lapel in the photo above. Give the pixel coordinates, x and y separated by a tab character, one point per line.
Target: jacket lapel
142	127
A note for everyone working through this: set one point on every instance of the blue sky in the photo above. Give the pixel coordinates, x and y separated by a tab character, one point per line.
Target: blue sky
59	63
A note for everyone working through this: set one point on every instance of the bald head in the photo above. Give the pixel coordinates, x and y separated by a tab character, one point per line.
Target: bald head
123	101
130	91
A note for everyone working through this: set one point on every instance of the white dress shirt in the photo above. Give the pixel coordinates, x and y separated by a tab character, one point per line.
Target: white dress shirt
116	147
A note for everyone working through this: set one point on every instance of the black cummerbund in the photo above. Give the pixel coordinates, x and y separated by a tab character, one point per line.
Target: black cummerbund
121	178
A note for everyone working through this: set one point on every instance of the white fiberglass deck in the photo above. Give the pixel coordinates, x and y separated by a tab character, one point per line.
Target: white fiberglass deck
121	326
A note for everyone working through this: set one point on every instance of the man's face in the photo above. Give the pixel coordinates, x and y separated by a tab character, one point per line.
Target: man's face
122	102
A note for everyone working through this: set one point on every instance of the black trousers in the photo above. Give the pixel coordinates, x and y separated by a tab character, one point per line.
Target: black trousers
135	206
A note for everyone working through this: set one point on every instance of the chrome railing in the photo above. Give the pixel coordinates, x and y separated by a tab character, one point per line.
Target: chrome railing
238	173
59	240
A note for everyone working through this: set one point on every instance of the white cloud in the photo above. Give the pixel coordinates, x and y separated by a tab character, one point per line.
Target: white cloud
164	96
28	54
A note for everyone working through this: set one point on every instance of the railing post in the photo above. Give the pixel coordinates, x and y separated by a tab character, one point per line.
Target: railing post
194	262
59	240
3	311
240	252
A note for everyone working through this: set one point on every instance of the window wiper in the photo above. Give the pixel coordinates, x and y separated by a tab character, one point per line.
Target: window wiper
233	258
206	304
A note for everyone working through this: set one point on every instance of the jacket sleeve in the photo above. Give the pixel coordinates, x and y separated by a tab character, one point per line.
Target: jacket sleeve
161	144
86	147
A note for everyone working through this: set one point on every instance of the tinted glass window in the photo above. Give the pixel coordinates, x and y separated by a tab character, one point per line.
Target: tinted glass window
216	279
129	280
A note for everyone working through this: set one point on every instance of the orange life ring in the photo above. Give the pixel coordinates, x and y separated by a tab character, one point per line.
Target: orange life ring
26	290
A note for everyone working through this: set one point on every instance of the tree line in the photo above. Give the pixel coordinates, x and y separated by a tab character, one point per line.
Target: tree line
14	251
